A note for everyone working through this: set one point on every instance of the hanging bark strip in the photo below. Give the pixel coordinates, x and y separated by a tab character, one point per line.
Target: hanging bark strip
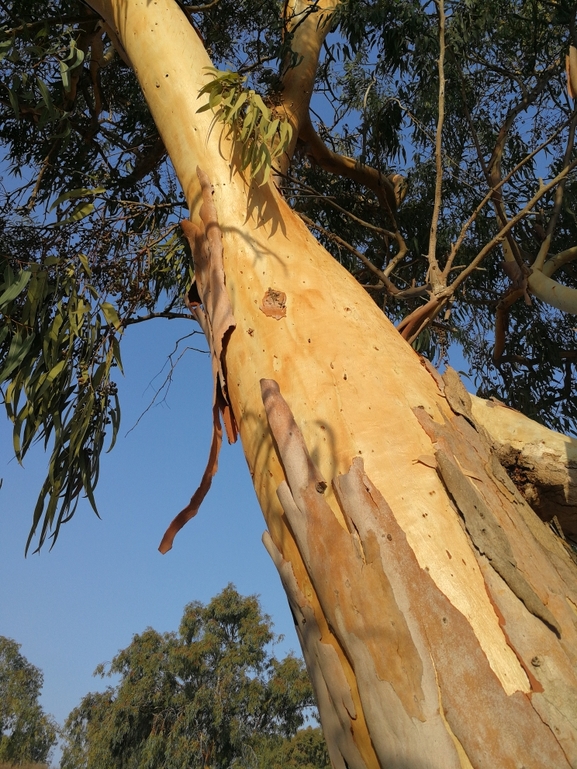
421	674
211	307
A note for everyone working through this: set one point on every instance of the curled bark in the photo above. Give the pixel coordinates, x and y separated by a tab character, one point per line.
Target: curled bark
571	71
214	313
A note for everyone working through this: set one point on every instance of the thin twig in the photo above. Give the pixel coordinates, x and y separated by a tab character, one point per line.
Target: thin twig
402	252
546	245
387	283
331	202
390	286
399	256
201	8
510	224
434	272
165	315
165	386
458	243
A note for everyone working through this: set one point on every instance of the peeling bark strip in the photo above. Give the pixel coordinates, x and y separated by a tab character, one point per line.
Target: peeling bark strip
409	645
489	538
471	484
214	314
206	244
333	694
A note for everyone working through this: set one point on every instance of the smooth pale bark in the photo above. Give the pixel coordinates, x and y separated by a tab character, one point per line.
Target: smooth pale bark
437	613
562	297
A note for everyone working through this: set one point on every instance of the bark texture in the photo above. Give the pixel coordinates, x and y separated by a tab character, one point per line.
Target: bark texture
437	613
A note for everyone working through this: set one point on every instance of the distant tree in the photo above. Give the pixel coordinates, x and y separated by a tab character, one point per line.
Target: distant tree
27	734
306	750
211	695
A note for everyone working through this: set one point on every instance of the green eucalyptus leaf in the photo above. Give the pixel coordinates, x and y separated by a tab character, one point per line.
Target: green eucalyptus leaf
16	288
14	102
5	47
16	354
81	211
111	315
45	93
80	192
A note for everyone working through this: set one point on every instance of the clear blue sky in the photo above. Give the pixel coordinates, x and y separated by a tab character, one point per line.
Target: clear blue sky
104	580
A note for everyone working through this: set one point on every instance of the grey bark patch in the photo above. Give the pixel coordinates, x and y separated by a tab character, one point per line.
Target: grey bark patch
456	394
489	538
334	697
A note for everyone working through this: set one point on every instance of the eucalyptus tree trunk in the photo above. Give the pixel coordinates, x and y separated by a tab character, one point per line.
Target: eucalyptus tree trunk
437	613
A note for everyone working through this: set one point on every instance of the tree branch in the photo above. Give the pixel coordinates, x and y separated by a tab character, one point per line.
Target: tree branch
388	284
331	202
543	287
490	194
556	262
493	168
435	275
396	235
548	290
510	224
545	246
308	22
167	315
307	25
388	189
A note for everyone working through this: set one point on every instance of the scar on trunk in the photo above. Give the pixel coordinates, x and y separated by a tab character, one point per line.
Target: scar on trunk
209	303
274	304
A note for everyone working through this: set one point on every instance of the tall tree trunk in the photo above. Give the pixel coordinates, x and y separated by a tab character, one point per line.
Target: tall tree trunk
436	612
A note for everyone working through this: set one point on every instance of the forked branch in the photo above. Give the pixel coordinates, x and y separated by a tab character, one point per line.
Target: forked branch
308	23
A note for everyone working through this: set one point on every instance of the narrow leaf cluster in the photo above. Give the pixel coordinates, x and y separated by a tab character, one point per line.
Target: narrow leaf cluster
58	346
262	137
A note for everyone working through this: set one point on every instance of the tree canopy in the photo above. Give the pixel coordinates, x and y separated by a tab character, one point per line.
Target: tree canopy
27	734
211	695
436	163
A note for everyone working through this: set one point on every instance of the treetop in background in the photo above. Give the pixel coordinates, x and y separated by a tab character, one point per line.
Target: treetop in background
27	734
212	695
